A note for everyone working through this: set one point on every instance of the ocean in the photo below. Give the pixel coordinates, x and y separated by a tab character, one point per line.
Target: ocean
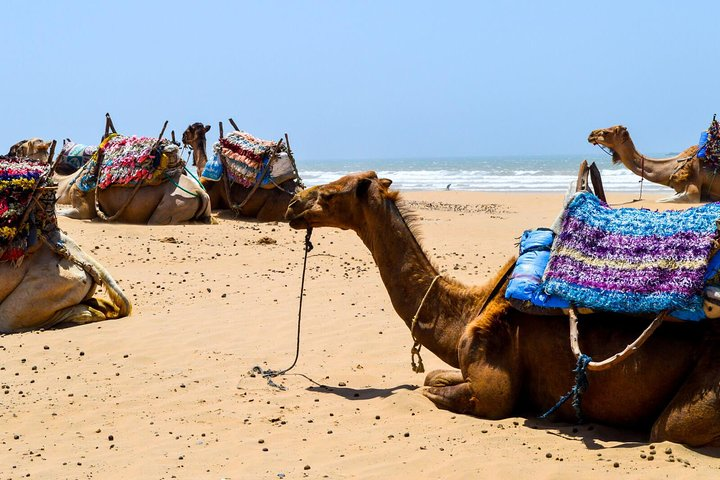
509	173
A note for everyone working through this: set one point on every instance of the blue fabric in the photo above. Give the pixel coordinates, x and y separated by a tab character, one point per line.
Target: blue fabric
527	275
213	169
702	152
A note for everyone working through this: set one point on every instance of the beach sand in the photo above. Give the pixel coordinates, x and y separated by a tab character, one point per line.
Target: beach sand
168	393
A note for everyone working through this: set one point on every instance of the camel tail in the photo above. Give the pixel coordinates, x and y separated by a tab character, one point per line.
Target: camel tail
119	305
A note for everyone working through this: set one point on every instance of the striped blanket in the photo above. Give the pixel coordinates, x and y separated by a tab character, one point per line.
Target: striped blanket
631	260
19	179
246	156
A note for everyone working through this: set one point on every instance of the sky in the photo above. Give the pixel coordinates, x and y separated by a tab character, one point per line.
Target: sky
365	79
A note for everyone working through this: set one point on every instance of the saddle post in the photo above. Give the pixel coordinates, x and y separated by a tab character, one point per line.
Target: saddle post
232	122
162	132
108	126
582	185
225	181
596	180
292	160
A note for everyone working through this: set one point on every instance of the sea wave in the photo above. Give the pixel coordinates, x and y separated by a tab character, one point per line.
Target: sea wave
486	180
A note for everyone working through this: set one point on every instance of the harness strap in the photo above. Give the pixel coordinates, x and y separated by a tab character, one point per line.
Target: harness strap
618	357
585	363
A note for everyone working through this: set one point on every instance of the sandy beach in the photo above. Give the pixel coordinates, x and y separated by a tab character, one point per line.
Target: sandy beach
169	393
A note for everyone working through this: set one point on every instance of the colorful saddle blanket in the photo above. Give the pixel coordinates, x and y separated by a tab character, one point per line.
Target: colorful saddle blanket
709	146
75	155
246	157
127	161
631	260
19	180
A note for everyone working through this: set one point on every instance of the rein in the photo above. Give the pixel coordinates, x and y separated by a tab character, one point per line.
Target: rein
415	350
269	374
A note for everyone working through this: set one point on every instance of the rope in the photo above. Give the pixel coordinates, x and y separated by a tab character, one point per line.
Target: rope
577	391
181	188
269	374
194	177
415	350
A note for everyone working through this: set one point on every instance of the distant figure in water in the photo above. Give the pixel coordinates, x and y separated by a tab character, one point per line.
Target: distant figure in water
448	186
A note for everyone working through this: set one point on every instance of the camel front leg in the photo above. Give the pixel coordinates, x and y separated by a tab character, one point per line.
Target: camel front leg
487	385
691	194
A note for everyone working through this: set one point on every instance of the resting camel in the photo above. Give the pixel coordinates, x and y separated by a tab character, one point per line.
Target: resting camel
55	284
34	148
684	172
180	199
266	205
514	363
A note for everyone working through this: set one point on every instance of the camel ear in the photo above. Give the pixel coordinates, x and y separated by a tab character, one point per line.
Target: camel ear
207	128
385	182
362	187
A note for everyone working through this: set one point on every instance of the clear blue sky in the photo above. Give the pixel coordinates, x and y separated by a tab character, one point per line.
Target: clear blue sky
365	79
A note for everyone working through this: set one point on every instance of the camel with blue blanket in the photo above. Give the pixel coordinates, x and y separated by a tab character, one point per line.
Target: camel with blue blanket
509	361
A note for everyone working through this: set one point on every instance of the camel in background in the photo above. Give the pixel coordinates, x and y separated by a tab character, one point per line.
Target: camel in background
684	172
266	205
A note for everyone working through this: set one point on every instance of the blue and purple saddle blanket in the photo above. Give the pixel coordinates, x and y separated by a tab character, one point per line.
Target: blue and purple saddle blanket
631	261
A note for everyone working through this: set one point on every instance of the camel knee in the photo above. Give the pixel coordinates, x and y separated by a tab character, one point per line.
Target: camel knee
443	378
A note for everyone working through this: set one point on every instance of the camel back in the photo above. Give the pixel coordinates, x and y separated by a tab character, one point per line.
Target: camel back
250	160
630	261
27	207
129	161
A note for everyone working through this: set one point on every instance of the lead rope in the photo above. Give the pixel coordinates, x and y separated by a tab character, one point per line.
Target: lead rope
269	374
415	350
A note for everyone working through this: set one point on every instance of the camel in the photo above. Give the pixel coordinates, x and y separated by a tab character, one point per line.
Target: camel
179	199
266	205
684	172
34	148
514	363
55	284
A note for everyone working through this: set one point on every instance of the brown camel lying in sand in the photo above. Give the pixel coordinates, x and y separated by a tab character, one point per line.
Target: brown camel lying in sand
180	199
684	172
266	205
48	288
514	363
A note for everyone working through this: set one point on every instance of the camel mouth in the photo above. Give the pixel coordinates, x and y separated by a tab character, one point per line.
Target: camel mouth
298	222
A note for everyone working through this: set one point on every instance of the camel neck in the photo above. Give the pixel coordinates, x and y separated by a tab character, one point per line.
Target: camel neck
656	170
407	274
199	156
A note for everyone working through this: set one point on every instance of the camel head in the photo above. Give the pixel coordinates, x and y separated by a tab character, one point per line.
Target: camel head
340	204
610	138
35	148
194	135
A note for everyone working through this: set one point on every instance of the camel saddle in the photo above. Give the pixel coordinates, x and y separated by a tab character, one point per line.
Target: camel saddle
128	161
27	207
626	260
249	160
